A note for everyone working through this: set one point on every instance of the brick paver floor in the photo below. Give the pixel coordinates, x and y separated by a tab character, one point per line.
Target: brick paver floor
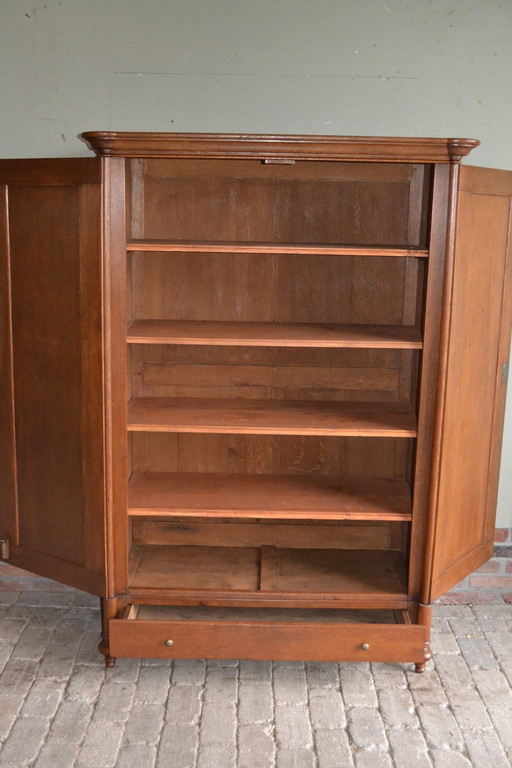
60	707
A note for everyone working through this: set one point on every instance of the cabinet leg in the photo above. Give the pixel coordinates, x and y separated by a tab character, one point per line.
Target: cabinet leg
110	607
420	665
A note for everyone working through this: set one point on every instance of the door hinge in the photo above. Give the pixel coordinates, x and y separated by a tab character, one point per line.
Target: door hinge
4	549
504	371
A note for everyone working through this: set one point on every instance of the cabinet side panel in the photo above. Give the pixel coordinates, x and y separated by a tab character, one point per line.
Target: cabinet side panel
54	233
478	345
7	464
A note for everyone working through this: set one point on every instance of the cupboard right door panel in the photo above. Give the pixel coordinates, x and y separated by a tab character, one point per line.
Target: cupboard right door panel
479	341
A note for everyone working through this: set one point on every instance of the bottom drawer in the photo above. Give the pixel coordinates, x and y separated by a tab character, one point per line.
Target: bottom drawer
278	634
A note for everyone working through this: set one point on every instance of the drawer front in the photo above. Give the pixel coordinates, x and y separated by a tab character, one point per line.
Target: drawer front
270	640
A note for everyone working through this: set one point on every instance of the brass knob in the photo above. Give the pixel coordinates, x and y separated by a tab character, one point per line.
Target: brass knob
365	646
169	642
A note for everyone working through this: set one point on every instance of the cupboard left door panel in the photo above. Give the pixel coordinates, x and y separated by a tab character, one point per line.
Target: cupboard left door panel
52	498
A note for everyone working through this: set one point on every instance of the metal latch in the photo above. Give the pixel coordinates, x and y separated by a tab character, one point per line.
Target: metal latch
504	371
4	549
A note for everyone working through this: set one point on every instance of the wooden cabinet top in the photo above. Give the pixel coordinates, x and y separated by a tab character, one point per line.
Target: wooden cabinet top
275	148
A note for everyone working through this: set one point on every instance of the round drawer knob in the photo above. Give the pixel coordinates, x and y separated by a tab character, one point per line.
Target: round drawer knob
365	646
169	643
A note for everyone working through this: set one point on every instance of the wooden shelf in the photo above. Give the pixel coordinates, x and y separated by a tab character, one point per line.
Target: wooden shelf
271	417
273	334
266	576
268	496
318	249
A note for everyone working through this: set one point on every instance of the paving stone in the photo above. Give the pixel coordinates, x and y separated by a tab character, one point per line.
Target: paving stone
322	674
101	745
24	741
125	671
397	708
373	759
501	644
493	688
290	684
453	672
255	746
10	705
295	758
71	721
502	718
87	652
59	658
56	754
388	676
469	710
85	683
114	701
477	653
357	685
366	728
55	599
255	703
485	749
409	749
12	629
5	655
136	756
333	748
144	725
211	755
326	708
33	642
152	685
255	671
184	704
293	727
8	596
444	642
447	758
426	688
17	677
218	722
178	746
43	698
440	727
466	627
188	671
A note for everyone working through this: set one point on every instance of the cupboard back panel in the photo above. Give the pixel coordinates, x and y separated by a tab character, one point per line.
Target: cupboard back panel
270	454
273	288
253	201
268	373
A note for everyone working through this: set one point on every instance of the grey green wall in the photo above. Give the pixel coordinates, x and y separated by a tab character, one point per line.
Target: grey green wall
400	67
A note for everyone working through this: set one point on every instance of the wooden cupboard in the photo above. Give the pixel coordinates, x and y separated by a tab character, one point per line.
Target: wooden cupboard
253	386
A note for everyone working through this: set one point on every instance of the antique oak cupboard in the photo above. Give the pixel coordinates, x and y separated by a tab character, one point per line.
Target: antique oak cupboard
253	386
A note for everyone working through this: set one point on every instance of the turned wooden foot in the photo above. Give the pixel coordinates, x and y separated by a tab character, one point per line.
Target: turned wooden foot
420	665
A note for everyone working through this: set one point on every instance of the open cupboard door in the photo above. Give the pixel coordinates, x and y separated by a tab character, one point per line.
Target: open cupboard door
51	411
470	426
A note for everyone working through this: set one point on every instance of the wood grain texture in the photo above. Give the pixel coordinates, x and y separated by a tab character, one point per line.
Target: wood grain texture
260	496
278	639
8	484
57	363
273	334
302	575
265	533
474	389
319	249
347	148
271	417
